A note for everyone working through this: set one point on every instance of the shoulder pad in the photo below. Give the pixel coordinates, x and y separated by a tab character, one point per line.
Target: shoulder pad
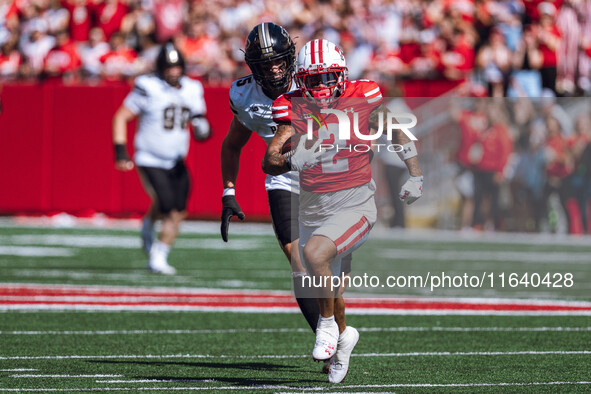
240	92
144	84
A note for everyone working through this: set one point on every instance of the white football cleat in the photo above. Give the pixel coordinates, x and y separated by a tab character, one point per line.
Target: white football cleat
163	269
339	364
327	336
159	265
147	235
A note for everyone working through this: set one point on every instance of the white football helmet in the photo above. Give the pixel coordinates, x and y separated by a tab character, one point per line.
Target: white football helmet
321	72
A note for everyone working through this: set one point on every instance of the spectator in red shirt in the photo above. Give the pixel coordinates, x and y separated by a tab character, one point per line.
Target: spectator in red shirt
559	164
80	19
109	15
119	62
63	59
471	123
459	61
496	146
580	147
169	15
549	39
199	49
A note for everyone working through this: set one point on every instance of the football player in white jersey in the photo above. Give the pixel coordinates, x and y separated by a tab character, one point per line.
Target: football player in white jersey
270	54
166	103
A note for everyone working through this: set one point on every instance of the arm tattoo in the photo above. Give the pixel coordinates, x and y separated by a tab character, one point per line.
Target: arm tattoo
374	116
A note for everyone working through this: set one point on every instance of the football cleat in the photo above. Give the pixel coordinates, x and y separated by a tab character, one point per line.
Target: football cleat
147	235
158	263
327	336
339	364
162	268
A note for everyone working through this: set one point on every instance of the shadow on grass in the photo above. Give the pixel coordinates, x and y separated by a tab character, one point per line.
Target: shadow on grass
280	372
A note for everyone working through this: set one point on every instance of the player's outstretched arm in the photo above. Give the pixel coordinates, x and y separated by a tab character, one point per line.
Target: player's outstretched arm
274	163
238	135
120	120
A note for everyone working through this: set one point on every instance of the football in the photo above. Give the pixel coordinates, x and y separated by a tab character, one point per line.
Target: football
292	142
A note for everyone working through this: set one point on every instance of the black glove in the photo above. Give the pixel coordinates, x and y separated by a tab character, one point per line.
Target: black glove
230	208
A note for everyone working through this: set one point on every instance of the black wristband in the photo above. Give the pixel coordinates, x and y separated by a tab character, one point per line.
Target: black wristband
121	152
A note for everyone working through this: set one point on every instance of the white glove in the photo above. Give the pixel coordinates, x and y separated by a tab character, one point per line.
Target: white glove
412	190
303	158
201	128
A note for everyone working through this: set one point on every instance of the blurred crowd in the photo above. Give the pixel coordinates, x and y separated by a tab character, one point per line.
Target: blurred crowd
524	164
512	47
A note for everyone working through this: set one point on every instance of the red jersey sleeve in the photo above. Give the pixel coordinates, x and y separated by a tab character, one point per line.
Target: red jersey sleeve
371	91
282	109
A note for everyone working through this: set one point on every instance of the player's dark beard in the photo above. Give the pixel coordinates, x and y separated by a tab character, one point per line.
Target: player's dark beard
173	81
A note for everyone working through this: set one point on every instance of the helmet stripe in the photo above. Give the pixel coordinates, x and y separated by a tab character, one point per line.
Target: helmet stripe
313	51
264	39
320	51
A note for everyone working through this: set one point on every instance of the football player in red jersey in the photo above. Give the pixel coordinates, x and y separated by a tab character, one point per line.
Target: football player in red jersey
337	207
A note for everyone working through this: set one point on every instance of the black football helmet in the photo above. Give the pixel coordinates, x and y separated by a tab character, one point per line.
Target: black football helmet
266	45
169	56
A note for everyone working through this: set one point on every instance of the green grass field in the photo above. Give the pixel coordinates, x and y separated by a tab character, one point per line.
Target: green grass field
134	350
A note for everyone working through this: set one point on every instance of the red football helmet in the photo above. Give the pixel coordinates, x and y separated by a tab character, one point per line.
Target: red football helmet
321	72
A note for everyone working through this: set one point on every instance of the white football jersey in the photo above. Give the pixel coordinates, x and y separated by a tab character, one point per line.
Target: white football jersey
252	107
164	115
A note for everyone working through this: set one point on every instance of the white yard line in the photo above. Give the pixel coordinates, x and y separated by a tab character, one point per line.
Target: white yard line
64	376
300	389
24	308
35	251
497	256
257	229
290	356
300	330
121	242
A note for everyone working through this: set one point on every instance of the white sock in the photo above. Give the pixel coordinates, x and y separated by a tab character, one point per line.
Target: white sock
161	248
326	321
342	334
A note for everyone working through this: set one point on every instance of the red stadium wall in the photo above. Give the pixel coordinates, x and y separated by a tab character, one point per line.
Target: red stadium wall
56	154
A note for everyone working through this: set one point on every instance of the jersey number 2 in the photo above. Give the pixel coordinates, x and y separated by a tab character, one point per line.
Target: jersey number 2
329	163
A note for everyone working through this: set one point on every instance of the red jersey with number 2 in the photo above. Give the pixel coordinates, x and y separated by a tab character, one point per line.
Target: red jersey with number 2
344	162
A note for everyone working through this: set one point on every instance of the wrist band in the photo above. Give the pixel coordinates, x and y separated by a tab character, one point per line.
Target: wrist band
229	191
408	150
121	152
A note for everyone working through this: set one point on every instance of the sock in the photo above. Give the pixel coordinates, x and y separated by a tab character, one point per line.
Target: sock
308	305
326	321
160	248
342	334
